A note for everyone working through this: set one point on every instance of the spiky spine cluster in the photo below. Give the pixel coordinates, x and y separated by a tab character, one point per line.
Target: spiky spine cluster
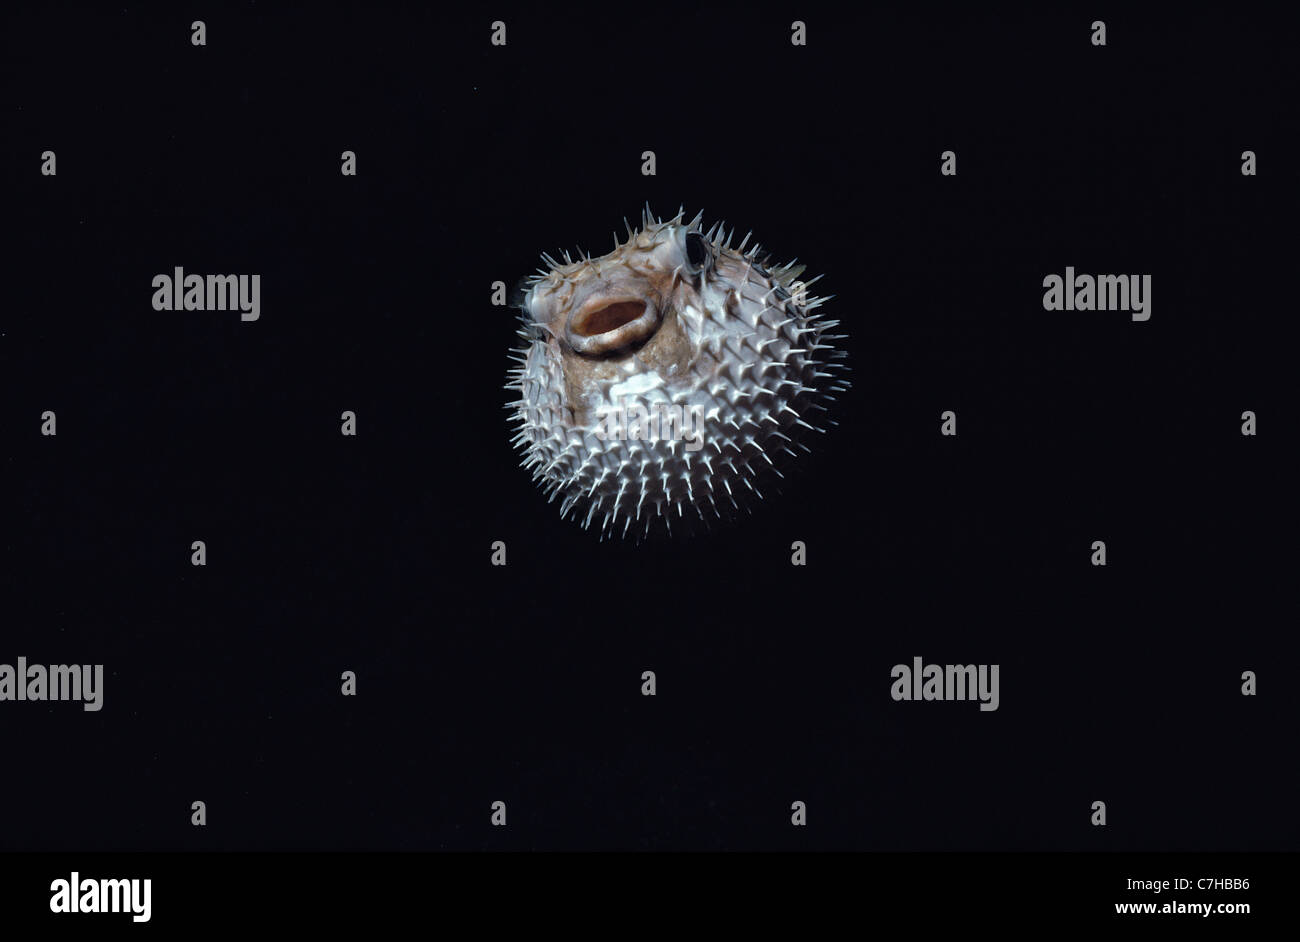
763	367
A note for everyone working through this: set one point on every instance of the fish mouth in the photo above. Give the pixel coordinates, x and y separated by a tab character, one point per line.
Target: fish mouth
607	325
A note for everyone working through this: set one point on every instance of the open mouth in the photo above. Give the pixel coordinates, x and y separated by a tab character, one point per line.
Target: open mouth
604	325
610	317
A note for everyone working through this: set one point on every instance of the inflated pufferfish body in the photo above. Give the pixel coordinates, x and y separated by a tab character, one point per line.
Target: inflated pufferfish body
661	379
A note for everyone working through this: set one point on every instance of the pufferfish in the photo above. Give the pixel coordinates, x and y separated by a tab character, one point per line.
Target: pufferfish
666	378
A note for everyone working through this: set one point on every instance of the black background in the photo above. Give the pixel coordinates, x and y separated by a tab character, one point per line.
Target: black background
522	683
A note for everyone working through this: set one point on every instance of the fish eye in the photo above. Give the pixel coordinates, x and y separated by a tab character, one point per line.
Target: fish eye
697	252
